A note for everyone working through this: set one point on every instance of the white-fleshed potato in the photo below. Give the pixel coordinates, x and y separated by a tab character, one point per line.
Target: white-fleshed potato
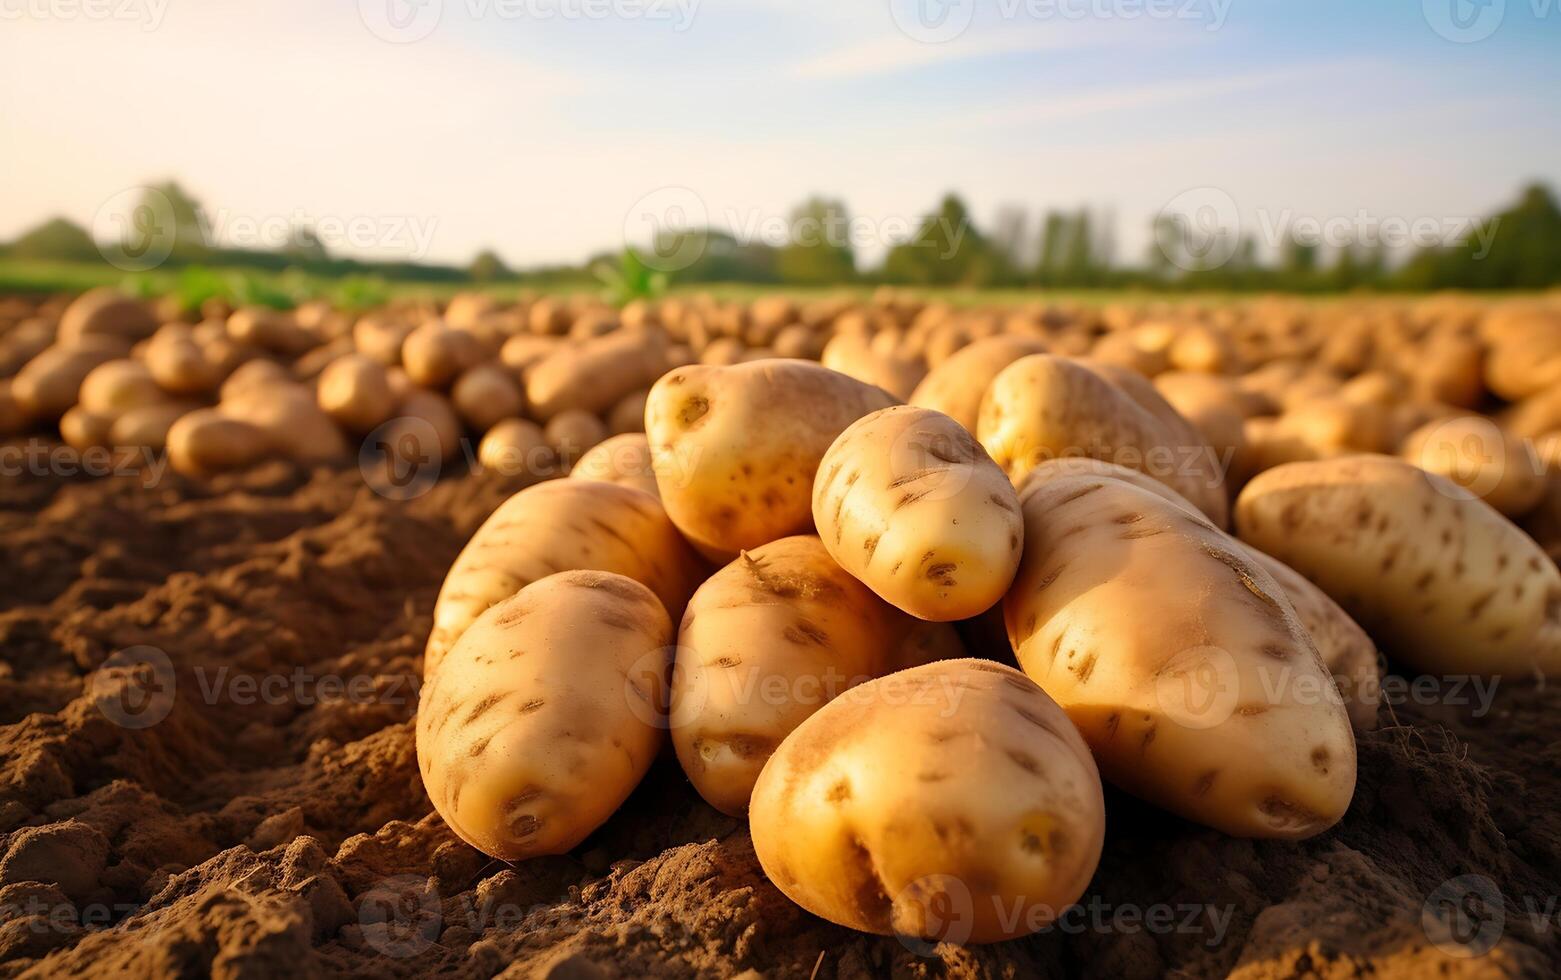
952	802
907	501
1180	659
560	526
736	448
545	715
766	642
1439	578
957	384
1045	407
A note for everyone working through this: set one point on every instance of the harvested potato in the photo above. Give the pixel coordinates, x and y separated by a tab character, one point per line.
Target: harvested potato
953	802
380	338
544	716
1440	579
621	459
293	422
558	526
434	354
572	433
516	447
736	448
628	416
83	429
907	501
50	384
105	312
1044	407
355	391
595	375
1475	454
271	330
956	386
180	366
523	351
13	420
486	395
147	427
875	363
1181	660
115	387
423	430
766	642
205	442
253	376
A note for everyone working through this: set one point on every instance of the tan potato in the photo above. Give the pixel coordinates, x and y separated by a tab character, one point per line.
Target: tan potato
516	447
105	312
424	430
1436	576
13	420
180	366
486	395
628	416
50	384
272	330
621	459
253	376
956	386
355	391
434	354
546	714
1044	407
953	802
83	429
736	448
291	419
205	442
876	363
571	434
1204	350
523	351
380	338
115	387
907	501
595	375
147	427
766	642
1211	701
1212	406
557	526
1472	452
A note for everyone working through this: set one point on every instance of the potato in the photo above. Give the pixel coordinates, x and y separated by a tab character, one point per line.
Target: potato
907	501
292	421
628	416
254	376
516	447
546	713
271	330
23	342
736	448
83	429
953	802
105	312
523	351
1044	407
355	391
50	383
767	641
594	375
1181	660
1204	350
1473	453
147	427
434	355
572	433
180	366
621	459
1212	406
423	431
877	363
381	338
559	526
13	420
1440	579
955	386
486	395
115	387
205	442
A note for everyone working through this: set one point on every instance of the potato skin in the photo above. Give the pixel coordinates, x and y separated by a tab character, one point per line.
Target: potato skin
1439	578
621	459
1043	407
951	802
1124	601
907	501
736	448
1474	453
558	526
594	375
544	716
765	642
955	387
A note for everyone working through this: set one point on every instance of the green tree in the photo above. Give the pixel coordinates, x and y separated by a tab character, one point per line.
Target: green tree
819	252
947	250
56	239
488	267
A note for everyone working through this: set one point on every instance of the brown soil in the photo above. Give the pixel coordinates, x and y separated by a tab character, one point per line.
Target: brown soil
284	830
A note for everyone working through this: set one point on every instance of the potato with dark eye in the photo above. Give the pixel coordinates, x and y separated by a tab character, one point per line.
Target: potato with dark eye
952	802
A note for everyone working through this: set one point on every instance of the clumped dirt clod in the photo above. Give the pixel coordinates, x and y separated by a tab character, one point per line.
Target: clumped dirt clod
207	766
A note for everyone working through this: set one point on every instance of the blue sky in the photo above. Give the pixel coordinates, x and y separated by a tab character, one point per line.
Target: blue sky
542	133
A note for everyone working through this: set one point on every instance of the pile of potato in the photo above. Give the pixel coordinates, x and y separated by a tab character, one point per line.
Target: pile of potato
821	532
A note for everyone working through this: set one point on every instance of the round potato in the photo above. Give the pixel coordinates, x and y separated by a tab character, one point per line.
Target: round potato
546	713
105	312
355	391
956	386
877	364
736	448
1438	577
1181	660
907	501
571	434
621	459
516	447
952	802
1472	452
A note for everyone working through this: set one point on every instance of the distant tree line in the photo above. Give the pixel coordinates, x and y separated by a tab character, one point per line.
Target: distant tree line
1517	248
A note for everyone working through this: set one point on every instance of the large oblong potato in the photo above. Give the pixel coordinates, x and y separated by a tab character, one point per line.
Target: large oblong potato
1181	660
736	448
1439	578
951	802
592	376
907	501
955	387
767	641
1044	407
530	737
559	526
